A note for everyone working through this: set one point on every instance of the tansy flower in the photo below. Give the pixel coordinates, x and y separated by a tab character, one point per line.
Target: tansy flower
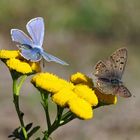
105	98
86	93
17	63
80	78
78	98
63	96
80	108
50	82
6	54
35	66
19	66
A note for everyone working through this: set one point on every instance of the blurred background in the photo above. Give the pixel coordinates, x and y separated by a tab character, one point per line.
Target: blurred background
81	33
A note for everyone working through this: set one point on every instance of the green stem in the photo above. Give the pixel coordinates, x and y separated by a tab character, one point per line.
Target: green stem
66	120
21	82
59	114
16	90
66	115
57	121
60	120
46	108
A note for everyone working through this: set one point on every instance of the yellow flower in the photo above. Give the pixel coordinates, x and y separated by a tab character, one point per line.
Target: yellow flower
16	62
35	66
80	108
79	98
19	66
80	78
106	98
86	93
6	54
50	82
63	96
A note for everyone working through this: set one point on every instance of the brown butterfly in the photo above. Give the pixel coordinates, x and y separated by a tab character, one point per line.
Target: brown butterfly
109	74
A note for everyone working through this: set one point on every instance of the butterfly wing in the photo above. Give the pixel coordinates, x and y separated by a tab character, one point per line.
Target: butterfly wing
36	29
119	59
30	54
123	91
102	70
50	57
105	87
20	37
108	88
26	47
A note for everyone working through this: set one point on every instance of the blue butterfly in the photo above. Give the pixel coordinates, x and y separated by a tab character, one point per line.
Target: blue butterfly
31	48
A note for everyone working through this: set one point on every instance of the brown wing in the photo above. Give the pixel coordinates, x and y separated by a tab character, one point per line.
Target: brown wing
123	91
119	59
105	87
101	70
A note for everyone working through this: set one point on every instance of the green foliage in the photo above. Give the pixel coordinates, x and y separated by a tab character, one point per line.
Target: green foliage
18	133
105	18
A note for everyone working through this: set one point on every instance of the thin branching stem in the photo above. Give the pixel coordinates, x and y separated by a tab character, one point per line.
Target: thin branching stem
46	108
16	91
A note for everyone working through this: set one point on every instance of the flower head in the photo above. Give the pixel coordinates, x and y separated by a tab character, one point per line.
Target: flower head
15	62
19	66
80	78
86	93
81	108
50	82
35	66
6	54
63	96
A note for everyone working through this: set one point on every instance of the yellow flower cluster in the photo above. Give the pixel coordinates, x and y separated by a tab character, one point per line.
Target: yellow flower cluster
90	96
80	78
79	98
16	62
50	82
6	54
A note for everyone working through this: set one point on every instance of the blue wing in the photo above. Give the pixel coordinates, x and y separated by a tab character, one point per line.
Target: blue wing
31	54
20	37
50	57
36	29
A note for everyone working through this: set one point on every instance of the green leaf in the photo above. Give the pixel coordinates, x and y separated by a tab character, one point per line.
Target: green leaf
34	130
28	126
